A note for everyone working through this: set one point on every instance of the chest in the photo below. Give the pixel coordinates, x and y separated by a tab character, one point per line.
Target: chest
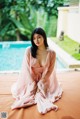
42	59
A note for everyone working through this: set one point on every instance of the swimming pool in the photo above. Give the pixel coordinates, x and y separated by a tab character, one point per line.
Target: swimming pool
11	56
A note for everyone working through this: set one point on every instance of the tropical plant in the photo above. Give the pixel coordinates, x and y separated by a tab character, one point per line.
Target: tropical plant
19	17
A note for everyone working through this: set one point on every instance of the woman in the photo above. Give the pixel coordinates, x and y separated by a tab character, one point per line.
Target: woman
37	83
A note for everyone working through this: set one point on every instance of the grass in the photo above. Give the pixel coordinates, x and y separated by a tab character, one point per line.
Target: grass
69	45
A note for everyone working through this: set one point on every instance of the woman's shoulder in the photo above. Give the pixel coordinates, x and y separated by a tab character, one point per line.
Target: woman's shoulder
52	52
28	50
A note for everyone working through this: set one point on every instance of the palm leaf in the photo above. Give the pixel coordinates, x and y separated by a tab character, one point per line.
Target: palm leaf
19	25
4	30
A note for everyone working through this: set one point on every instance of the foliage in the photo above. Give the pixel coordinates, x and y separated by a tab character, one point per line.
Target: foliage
49	6
22	16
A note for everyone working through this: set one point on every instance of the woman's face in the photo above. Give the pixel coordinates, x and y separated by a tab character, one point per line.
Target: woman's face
38	39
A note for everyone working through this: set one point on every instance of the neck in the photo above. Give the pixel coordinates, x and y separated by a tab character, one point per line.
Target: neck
41	48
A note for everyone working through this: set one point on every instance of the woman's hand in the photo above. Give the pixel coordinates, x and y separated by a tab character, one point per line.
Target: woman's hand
42	87
31	88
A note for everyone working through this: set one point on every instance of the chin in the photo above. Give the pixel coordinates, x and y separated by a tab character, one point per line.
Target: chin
37	44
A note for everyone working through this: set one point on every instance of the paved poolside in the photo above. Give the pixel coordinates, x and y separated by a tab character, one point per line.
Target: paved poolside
69	104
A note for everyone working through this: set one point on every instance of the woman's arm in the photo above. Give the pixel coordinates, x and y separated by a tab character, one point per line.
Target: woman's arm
43	84
51	66
24	79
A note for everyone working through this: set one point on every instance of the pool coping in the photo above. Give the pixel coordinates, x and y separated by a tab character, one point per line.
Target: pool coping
65	57
6	44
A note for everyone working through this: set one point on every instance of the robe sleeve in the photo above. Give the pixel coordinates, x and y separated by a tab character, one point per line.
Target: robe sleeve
24	76
24	79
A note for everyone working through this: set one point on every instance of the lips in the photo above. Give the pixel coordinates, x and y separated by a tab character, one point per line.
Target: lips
37	43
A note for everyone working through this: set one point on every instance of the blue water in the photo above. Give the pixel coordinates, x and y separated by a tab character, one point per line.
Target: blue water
11	56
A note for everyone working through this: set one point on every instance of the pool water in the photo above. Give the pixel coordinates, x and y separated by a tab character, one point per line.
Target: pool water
11	56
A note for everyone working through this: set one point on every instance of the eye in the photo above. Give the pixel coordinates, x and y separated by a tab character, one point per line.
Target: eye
39	36
33	39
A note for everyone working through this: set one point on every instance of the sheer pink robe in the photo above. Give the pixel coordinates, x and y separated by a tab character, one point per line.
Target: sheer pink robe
29	89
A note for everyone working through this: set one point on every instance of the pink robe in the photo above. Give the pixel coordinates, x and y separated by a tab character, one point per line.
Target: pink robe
29	89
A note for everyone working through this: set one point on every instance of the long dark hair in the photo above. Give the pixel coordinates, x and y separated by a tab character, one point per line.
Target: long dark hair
34	47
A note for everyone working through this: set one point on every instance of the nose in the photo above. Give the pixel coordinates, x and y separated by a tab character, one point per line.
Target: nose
37	40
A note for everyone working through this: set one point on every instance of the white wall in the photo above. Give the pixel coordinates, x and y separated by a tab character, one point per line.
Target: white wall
69	21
